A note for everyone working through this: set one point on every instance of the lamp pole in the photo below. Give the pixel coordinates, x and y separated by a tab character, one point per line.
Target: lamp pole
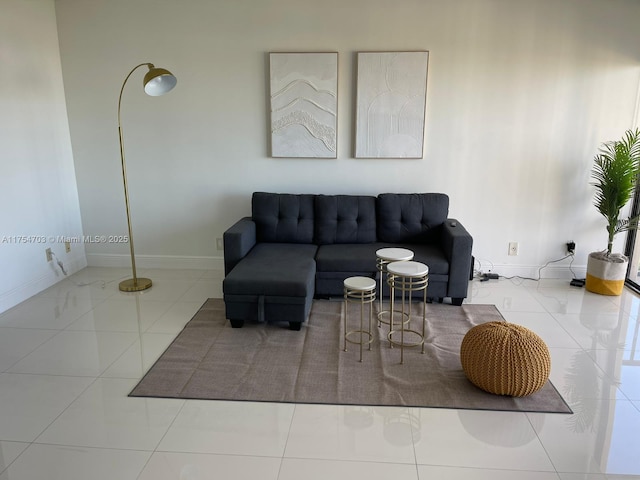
157	81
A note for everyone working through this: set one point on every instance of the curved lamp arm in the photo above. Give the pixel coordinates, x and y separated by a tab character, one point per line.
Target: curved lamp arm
157	81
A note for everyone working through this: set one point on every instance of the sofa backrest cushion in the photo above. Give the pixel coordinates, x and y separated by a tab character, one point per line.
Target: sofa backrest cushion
283	217
345	219
411	217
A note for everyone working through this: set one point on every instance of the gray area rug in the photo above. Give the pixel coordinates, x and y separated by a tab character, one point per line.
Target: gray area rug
267	362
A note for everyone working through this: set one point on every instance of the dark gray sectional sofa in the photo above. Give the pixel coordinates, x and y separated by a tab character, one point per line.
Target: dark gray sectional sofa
298	247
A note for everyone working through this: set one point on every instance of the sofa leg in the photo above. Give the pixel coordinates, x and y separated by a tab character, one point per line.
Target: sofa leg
235	323
295	326
457	301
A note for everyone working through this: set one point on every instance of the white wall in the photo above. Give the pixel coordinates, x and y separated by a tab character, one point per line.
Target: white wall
38	191
520	95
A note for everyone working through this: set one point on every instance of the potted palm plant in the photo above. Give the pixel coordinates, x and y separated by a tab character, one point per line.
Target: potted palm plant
615	175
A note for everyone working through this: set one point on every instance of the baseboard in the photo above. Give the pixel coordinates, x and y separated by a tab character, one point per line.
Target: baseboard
535	271
36	285
156	261
217	263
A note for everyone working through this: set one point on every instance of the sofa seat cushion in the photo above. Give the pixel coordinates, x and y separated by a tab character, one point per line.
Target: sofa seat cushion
430	255
362	257
274	269
348	257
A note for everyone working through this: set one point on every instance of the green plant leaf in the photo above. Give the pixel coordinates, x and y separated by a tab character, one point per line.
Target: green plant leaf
615	173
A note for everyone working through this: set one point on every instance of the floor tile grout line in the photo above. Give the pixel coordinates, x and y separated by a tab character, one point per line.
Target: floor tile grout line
33	350
544	448
286	442
95	379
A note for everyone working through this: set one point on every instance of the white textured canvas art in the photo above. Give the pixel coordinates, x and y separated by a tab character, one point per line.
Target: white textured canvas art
304	102
390	105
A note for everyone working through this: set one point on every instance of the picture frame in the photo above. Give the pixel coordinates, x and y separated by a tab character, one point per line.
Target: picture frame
391	104
303	104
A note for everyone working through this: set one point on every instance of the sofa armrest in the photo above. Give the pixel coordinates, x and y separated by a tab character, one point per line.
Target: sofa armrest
238	240
457	244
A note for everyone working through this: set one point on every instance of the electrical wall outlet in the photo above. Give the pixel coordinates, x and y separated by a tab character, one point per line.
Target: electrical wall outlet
571	247
513	248
49	255
219	244
67	247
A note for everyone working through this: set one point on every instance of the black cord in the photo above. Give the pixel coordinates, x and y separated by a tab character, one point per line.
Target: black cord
572	255
477	272
556	261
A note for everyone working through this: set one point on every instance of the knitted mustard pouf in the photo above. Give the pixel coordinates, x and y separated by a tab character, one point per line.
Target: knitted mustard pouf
505	359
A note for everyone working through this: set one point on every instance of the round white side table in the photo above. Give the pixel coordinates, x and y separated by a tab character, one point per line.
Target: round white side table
408	277
385	256
360	290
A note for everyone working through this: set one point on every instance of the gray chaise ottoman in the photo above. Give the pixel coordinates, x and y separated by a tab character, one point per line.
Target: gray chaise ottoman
276	278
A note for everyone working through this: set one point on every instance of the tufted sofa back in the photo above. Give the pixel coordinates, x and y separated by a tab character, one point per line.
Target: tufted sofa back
334	219
283	217
345	219
411	217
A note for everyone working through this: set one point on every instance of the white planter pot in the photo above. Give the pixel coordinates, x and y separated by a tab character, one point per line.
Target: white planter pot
606	275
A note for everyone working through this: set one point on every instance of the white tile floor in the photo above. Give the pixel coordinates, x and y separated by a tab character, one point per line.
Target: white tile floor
70	355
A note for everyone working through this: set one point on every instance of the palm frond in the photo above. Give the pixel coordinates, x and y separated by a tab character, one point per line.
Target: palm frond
615	174
626	224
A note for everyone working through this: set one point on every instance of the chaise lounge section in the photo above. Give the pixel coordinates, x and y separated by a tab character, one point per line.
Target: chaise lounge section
297	247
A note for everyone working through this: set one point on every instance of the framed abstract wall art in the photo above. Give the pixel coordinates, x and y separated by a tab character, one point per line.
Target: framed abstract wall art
304	104
390	104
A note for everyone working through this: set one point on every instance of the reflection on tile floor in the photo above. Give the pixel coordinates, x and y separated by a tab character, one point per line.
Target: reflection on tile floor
69	356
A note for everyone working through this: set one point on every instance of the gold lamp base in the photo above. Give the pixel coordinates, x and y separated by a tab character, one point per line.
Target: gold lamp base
135	285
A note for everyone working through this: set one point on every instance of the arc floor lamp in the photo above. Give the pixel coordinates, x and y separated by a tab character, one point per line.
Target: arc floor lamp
157	81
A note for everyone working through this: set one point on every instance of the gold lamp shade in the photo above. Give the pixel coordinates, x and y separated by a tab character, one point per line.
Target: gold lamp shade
158	81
